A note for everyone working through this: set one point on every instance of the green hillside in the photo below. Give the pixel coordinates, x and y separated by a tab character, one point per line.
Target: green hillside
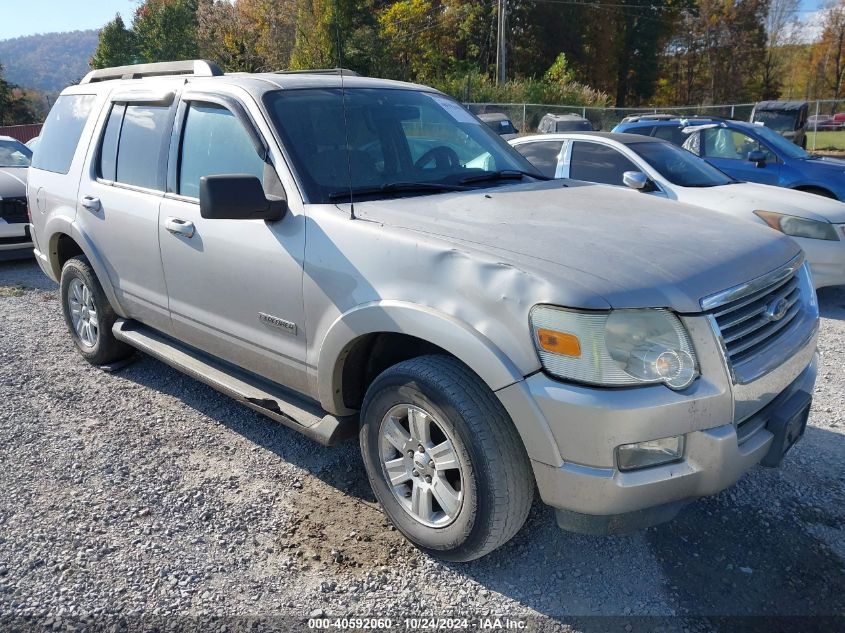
48	62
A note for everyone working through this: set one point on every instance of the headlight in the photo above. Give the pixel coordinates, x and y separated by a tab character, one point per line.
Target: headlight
798	227
616	348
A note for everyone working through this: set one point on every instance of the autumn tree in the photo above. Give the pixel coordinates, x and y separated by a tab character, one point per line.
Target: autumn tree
829	55
116	46
166	30
15	107
780	34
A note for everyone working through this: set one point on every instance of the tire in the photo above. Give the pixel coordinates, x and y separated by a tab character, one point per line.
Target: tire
81	292
493	478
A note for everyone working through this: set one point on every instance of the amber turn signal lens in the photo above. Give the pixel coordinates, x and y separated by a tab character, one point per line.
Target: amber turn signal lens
559	342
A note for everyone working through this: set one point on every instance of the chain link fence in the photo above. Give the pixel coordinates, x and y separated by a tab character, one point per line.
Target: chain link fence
825	130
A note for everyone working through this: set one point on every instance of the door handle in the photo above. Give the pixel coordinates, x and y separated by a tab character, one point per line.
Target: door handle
91	203
178	226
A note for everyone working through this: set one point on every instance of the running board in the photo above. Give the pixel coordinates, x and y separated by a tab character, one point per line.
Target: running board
272	400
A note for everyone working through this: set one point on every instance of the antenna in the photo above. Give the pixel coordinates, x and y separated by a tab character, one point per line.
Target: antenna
343	103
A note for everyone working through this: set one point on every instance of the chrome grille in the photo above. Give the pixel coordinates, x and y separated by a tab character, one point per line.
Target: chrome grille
760	323
747	324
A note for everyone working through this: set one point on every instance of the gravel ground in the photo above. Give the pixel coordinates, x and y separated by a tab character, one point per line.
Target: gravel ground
145	493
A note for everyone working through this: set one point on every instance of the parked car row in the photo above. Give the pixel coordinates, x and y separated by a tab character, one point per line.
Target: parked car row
827	122
661	169
749	152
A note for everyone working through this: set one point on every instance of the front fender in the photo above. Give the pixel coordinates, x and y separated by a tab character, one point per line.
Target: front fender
456	337
58	225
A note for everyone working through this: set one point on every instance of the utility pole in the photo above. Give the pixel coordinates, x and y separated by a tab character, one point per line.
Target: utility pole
501	50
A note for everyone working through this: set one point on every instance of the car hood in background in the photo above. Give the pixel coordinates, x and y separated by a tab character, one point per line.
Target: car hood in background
827	161
598	245
748	197
12	182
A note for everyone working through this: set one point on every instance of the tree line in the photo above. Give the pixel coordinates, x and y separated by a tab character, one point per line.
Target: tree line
606	52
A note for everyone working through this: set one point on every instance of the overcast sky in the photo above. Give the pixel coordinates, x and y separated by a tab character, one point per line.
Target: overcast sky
25	17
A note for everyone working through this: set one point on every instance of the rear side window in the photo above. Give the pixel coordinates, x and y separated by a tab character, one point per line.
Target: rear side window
542	154
108	150
134	145
61	132
141	148
671	133
597	163
214	143
645	130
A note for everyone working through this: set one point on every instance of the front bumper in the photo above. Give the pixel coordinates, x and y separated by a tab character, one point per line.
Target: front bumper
827	258
15	241
724	427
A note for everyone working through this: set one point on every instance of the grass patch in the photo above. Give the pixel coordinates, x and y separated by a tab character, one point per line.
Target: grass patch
17	290
827	140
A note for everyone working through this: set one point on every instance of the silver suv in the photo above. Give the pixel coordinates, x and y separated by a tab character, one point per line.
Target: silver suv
357	256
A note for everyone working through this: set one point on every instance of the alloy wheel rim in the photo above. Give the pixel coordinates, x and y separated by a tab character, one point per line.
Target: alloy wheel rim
83	312
421	465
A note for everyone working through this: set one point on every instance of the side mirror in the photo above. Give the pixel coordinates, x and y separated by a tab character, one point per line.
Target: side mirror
238	197
757	157
636	180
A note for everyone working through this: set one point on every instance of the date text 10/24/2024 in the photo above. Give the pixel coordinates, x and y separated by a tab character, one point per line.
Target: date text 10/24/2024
487	623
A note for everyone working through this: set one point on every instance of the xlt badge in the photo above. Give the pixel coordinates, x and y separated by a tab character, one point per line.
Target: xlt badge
274	321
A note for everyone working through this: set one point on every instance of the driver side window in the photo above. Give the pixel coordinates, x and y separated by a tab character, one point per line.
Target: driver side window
731	144
214	143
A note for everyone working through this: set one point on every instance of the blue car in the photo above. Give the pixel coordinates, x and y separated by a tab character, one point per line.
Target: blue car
748	152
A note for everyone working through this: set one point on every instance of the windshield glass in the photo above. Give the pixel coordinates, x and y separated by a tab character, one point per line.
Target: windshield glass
781	144
394	137
679	166
14	154
778	121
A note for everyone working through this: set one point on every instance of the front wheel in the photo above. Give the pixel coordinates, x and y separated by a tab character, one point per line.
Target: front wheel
444	458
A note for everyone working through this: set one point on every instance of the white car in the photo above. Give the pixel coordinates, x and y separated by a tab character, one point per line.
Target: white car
659	168
15	240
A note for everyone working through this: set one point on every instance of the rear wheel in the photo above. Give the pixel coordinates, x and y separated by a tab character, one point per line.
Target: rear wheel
444	458
88	314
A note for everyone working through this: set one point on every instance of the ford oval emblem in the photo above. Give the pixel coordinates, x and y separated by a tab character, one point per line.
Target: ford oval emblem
777	309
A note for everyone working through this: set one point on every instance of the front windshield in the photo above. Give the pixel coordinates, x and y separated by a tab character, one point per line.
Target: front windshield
778	121
679	166
394	137
14	154
781	144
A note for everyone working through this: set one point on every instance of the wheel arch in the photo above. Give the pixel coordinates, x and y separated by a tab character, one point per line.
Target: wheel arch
414	330
66	241
816	189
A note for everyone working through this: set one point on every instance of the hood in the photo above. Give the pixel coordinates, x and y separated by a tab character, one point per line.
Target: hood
602	246
827	162
12	182
747	197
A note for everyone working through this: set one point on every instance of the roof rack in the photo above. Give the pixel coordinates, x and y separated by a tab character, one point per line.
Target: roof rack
319	71
670	117
194	67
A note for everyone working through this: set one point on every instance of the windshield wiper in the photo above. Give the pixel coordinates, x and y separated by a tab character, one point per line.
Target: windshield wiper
396	187
504	174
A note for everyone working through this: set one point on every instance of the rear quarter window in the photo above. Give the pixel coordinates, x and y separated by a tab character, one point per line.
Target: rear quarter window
61	133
